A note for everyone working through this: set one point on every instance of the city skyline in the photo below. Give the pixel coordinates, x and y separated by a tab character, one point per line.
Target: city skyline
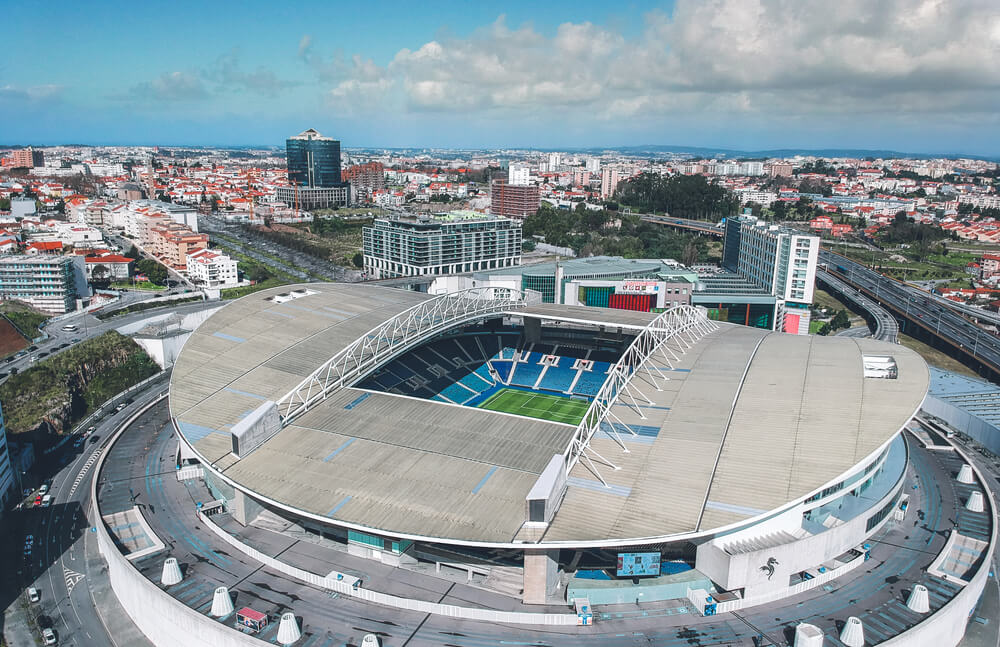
746	76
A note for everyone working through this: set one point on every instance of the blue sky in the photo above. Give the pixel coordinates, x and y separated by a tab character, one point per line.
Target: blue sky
752	74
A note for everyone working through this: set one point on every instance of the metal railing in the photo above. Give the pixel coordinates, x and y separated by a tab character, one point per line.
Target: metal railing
682	324
394	336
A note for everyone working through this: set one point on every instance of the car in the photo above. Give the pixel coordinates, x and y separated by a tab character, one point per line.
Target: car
27	551
64	345
94	439
2	375
49	636
75	340
29	540
43	354
33	595
38	501
91	429
32	348
43	489
78	442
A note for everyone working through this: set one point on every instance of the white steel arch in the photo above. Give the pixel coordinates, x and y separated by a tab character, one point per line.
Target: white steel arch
392	337
682	324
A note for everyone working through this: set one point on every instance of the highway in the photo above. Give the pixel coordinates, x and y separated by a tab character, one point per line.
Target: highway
918	307
886	326
64	563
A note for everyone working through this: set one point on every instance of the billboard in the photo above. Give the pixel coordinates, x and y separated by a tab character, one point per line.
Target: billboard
638	287
638	564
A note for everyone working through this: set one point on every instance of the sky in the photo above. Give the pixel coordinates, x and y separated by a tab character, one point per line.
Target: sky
909	75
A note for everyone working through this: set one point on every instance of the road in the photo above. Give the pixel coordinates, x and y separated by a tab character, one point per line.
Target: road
64	564
278	256
886	326
919	308
89	326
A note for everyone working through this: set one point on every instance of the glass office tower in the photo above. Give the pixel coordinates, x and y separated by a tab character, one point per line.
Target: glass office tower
313	160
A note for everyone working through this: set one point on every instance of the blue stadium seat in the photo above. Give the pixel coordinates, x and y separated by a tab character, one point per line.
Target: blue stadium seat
590	383
502	368
557	378
527	372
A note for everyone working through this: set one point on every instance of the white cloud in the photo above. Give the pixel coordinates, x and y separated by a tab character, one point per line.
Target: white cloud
769	57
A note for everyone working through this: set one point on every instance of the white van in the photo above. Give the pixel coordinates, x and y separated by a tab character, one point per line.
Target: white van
44	489
47	500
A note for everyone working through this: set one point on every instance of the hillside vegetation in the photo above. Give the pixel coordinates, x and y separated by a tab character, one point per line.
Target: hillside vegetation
55	393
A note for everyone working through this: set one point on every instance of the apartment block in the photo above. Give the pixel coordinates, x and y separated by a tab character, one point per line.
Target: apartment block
211	268
513	201
49	283
172	242
460	241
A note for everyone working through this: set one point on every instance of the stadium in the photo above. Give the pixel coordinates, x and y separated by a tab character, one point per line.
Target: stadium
550	452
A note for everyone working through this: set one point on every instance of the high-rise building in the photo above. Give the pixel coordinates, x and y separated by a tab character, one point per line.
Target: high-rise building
518	174
313	160
366	177
555	159
594	164
7	480
27	158
513	201
50	283
778	259
456	242
313	173
609	182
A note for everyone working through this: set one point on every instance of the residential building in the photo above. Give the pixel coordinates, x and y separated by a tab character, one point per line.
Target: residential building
780	169
513	201
555	160
172	242
27	158
366	177
518	174
9	488
609	182
49	283
780	260
212	269
116	267
314	172
594	164
459	241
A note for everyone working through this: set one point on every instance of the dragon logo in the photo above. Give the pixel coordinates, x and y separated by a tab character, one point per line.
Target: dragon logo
769	567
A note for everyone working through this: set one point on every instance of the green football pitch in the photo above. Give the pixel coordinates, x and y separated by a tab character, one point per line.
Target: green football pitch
537	405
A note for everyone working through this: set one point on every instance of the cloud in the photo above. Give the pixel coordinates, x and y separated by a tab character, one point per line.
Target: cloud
32	94
228	75
770	58
169	87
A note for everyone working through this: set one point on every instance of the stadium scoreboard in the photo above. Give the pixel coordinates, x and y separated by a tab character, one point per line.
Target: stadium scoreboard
638	564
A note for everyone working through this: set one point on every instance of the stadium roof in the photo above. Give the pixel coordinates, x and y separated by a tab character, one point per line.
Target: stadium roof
749	421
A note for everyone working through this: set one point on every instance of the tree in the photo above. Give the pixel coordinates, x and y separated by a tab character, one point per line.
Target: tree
825	329
358	259
100	275
840	320
133	252
155	272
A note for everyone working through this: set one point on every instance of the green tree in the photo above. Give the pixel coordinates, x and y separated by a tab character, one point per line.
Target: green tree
840	320
358	259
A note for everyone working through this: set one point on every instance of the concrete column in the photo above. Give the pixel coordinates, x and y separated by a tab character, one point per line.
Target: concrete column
171	572
975	502
919	602
541	575
222	603
243	508
965	475
807	635
853	633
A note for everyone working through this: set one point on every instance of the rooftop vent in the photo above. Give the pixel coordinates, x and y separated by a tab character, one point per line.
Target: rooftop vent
881	367
289	296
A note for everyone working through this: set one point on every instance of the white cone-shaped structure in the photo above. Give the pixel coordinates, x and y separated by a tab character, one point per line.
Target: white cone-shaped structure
975	502
288	629
171	572
807	635
965	475
918	600
370	640
222	604
853	633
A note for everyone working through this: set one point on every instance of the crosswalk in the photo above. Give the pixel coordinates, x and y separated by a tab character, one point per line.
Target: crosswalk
83	471
72	579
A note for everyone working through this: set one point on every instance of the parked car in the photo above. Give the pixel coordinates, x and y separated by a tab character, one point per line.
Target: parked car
33	595
38	501
49	637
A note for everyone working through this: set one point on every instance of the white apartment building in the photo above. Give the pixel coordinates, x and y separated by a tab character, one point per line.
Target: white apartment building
763	198
555	160
212	269
456	242
50	283
609	181
518	174
594	164
778	259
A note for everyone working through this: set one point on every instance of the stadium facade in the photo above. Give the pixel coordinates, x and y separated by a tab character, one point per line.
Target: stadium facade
570	452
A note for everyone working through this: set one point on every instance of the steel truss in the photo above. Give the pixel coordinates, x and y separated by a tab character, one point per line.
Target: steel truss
392	337
683	325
